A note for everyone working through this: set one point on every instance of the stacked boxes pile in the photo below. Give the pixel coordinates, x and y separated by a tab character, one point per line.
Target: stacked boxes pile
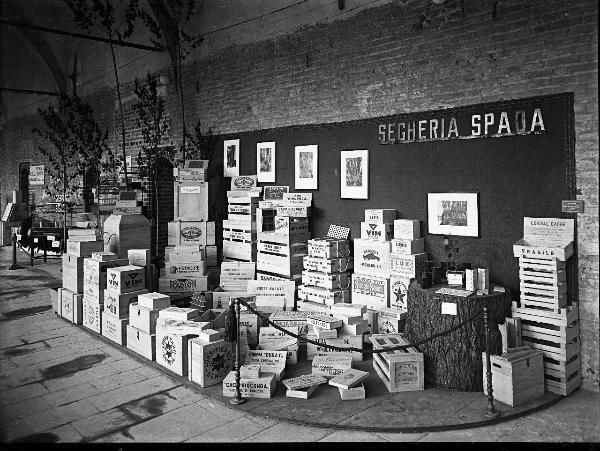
280	251
190	234
548	324
141	330
239	229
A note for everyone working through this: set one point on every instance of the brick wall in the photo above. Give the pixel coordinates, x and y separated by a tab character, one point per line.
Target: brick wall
406	56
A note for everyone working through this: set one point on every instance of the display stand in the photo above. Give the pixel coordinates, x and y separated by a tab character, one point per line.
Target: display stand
453	361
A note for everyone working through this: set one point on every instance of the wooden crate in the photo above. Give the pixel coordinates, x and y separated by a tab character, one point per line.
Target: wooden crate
117	304
209	363
278	256
190	201
125	232
242	209
399	370
372	257
262	387
543	283
185	269
142	318
125	279
323	295
239	240
376	231
72	268
172	351
114	328
407	229
407	265
265	219
515	382
329	265
371	291
402	246
328	247
71	306
380	215
182	284
332	281
56	297
293	211
141	342
92	315
94	271
191	232
346	341
292	226
84	248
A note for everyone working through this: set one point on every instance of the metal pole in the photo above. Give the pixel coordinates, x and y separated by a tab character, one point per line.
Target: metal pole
45	246
14	259
237	399
491	411
31	248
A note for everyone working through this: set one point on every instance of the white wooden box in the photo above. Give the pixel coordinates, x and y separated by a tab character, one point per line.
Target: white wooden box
408	229
139	257
141	342
179	313
323	295
95	271
289	226
346	341
380	216
185	269
191	201
328	266
71	306
191	232
183	284
84	248
124	232
293	211
375	232
142	318
372	257
72	272
328	247
92	315
114	328
371	291
399	370
262	387
125	279
399	292
546	238
330	366
56	300
390	321
209	363
333	281
402	246
172	352
405	265
154	301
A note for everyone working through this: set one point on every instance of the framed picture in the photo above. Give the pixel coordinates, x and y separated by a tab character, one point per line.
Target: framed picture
231	158
354	174
306	159
453	214
265	161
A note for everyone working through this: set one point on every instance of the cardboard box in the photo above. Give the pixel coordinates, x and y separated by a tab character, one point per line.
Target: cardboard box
209	363
84	248
92	315
403	265
125	279
142	318
375	232
372	258
407	229
114	328
117	304
141	342
370	291
380	216
402	246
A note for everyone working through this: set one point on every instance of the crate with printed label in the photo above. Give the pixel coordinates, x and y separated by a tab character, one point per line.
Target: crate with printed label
191	232
376	232
546	238
239	240
328	265
407	265
275	254
125	279
345	341
333	281
92	315
404	246
299	228
323	295
380	216
84	248
407	229
328	247
209	363
265	219
370	290
114	328
172	351
182	284
72	270
372	257
401	369
191	201
242	209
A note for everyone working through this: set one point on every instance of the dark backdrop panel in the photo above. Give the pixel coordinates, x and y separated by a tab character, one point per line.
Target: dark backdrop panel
516	176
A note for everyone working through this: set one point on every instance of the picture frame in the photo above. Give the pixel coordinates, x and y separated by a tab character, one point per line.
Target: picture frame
354	174
231	158
306	160
265	161
455	214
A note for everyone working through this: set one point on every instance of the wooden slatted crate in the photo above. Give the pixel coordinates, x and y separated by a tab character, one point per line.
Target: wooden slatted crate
190	201
239	240
242	209
280	254
399	370
543	283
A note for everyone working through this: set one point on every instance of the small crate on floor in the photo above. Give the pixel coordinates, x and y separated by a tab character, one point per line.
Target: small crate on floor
399	370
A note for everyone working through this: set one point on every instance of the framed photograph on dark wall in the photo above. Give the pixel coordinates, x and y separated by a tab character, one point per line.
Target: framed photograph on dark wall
231	158
265	161
306	167
454	214
354	174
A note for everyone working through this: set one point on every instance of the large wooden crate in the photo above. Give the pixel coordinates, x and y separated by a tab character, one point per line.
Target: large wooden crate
72	268
190	201
114	328
277	255
141	342
191	232
515	382
242	209
239	240
556	335
399	370
124	232
172	351
543	283
94	271
209	363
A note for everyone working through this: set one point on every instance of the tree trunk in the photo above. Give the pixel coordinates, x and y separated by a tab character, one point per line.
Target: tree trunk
118	86
179	81
454	361
156	247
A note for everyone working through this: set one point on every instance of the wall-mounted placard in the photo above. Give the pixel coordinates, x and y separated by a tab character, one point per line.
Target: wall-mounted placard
265	162
231	158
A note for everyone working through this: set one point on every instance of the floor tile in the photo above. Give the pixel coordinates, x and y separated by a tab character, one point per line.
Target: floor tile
26	407
186	395
71	394
42	421
287	432
118	380
152	406
220	409
66	434
233	431
110	399
24	392
351	436
104	423
14	429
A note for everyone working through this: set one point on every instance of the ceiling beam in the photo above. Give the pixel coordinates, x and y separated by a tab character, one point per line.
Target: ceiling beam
28	91
79	35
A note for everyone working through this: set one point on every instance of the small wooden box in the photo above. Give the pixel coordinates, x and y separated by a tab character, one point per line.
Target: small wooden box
332	281
191	232
327	266
399	370
142	318
376	231
390	321
380	216
104	256
290	226
114	328
263	387
154	301
209	363
185	269
351	394
56	297
323	295
141	342
191	201
125	279
92	315
399	292
402	265
372	257
346	341
518	381
408	229
293	211
84	248
330	366
328	247
139	257
172	352
370	291
183	284
550	238
95	270
402	246
117	304
179	313
72	268
71	306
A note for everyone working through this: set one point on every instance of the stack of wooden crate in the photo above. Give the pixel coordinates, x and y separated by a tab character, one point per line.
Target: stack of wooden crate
321	285
548	323
70	298
141	330
239	229
280	252
399	370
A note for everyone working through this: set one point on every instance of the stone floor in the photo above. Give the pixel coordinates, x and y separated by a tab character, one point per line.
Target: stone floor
59	383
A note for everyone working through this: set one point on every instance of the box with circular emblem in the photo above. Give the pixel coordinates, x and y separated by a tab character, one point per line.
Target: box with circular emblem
209	363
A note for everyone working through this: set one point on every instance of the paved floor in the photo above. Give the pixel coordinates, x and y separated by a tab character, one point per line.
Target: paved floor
59	383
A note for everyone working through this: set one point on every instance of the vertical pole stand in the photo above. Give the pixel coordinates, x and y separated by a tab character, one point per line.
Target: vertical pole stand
14	264
491	411
237	399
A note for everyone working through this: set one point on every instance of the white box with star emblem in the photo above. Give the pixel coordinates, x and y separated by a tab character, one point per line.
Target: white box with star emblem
209	363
